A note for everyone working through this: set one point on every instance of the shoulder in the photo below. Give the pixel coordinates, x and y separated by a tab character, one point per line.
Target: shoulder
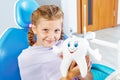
27	56
30	50
26	53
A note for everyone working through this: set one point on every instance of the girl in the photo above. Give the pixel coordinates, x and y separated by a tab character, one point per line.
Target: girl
37	62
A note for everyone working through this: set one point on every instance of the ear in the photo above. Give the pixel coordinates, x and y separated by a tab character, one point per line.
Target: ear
34	29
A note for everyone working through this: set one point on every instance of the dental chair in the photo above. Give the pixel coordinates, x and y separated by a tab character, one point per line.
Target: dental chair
14	40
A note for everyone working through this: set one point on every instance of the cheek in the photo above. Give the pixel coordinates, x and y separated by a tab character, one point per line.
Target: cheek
41	36
58	36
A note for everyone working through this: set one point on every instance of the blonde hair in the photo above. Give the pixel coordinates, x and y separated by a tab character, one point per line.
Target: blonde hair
50	12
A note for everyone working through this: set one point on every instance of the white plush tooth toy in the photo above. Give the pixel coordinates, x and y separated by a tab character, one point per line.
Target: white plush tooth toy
75	48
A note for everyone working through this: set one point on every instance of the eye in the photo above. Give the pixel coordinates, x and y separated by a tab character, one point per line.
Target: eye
57	30
69	44
45	30
76	44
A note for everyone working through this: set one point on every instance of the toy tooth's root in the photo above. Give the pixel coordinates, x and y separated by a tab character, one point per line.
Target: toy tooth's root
82	66
65	65
64	70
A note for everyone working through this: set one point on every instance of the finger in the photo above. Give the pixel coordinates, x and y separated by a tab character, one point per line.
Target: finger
61	55
73	73
73	64
76	70
89	67
63	78
88	62
87	59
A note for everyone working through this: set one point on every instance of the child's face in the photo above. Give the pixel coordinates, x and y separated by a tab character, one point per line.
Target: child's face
47	32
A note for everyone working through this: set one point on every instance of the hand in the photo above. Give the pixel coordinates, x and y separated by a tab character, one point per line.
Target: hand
75	72
61	55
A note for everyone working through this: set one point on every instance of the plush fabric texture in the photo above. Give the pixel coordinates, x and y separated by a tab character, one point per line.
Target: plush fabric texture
75	48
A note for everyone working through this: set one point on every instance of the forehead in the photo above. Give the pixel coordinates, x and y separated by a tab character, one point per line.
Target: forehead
50	23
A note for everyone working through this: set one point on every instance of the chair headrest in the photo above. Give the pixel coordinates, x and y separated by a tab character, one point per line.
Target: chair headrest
23	12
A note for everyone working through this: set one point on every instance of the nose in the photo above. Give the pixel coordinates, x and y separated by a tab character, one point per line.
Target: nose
51	35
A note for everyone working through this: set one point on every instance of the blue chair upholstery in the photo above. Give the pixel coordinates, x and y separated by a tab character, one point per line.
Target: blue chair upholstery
100	72
14	40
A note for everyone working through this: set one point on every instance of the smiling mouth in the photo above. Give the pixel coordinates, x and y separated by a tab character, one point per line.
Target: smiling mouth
71	52
49	42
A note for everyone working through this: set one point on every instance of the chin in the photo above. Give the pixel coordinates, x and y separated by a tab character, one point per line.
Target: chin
48	46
